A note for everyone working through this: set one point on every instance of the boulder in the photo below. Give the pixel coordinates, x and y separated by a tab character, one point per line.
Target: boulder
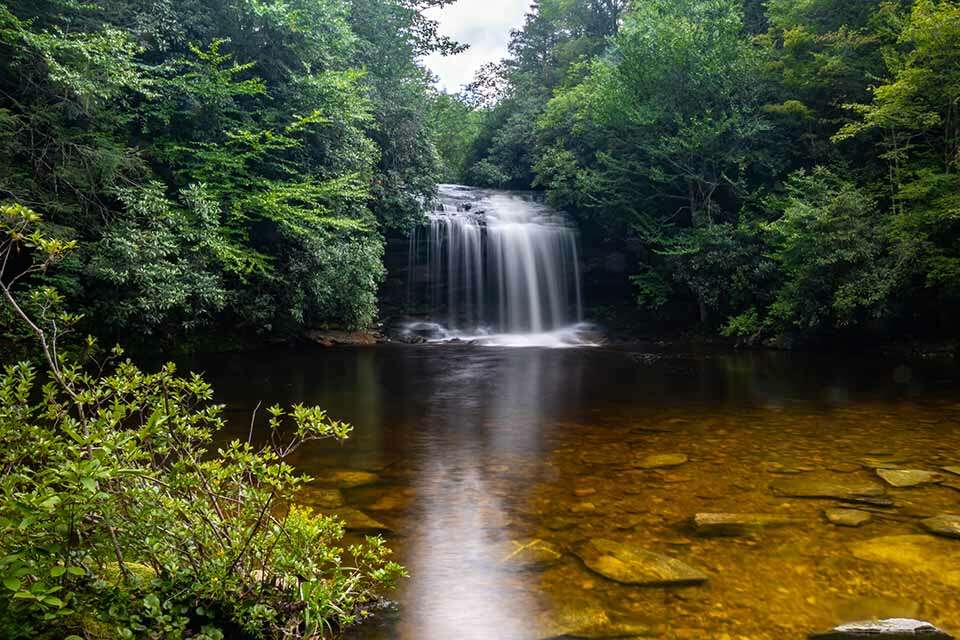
889	629
629	564
934	557
737	524
848	517
945	525
661	461
909	477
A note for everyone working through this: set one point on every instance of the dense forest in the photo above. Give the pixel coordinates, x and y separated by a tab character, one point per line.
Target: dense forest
218	163
784	168
781	169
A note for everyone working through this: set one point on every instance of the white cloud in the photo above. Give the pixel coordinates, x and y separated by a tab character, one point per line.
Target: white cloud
483	24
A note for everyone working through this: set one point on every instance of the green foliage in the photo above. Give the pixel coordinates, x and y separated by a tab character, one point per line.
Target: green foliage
197	151
120	514
829	246
788	165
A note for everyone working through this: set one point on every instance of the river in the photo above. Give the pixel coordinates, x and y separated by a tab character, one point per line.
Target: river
478	452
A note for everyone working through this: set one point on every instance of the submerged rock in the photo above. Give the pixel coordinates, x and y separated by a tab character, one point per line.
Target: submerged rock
530	554
346	478
889	629
909	477
589	622
662	461
848	517
840	489
321	498
933	557
954	470
356	520
629	564
945	525
737	524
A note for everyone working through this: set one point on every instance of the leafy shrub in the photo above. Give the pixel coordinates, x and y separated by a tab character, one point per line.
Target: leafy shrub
119	519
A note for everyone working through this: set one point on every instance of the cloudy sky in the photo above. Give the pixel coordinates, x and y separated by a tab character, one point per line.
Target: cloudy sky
483	24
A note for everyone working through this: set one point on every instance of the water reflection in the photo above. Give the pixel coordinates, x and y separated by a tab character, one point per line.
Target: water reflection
478	449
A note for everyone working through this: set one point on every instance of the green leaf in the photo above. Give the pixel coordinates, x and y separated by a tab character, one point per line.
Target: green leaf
13	584
56	572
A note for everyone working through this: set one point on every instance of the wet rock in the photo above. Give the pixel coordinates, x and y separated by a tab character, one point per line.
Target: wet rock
889	629
530	554
909	477
346	479
629	564
840	489
590	622
356	520
321	498
583	507
391	502
946	525
351	338
934	557
662	461
737	524
848	517
954	470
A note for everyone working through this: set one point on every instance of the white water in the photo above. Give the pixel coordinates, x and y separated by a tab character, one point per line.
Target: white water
502	270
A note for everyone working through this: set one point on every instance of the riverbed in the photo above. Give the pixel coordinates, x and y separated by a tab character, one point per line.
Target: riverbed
491	470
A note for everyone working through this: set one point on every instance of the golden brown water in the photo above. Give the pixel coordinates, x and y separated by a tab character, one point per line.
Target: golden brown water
479	451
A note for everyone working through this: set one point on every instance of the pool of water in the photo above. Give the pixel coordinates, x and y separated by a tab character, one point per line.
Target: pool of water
481	452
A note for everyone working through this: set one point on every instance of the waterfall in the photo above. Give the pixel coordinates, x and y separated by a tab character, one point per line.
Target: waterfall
495	264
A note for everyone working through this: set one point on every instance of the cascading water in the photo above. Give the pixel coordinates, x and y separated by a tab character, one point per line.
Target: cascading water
496	268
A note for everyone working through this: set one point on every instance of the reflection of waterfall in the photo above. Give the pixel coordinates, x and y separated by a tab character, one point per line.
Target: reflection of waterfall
494	262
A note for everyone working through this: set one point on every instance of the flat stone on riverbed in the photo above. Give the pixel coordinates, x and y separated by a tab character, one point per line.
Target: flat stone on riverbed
902	478
320	497
589	622
629	564
356	520
954	470
947	526
889	629
848	517
529	554
347	479
737	524
840	489
662	461
934	557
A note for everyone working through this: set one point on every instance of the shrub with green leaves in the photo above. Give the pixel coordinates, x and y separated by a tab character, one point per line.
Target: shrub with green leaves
121	518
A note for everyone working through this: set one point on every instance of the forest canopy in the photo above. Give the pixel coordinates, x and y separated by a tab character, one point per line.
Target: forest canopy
783	168
219	163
